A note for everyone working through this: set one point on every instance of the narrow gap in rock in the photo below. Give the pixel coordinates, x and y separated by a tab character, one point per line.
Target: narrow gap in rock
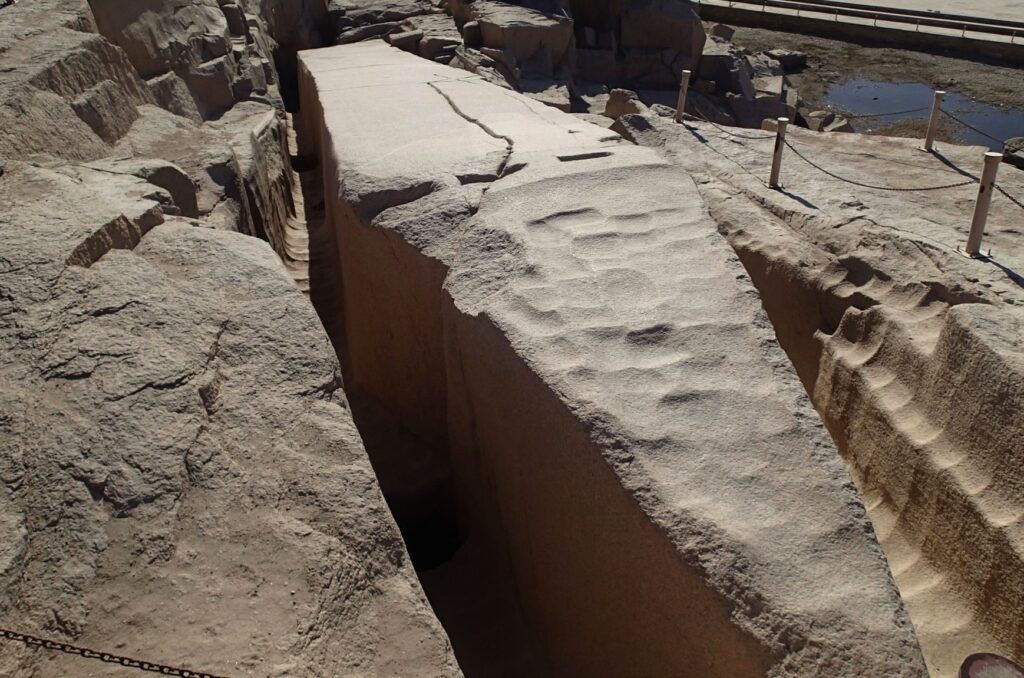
287	63
467	580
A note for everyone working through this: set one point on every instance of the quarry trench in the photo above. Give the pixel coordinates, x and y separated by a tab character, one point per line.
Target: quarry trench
504	501
401	416
430	386
535	556
876	360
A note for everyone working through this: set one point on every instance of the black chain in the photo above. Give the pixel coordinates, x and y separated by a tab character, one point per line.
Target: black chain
1015	201
67	648
970	126
877	188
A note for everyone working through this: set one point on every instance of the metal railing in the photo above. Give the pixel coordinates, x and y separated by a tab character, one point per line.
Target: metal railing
910	17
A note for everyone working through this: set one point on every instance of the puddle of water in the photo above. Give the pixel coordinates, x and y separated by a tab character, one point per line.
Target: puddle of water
868	97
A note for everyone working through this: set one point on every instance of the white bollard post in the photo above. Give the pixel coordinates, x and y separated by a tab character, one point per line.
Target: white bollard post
684	87
988	180
780	142
933	122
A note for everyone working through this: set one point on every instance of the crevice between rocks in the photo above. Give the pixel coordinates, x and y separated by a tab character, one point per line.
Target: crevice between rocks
877	371
536	558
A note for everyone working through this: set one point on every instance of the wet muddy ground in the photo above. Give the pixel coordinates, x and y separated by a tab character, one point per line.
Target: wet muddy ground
972	121
868	79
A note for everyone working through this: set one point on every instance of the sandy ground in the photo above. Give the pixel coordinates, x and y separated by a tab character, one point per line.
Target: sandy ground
833	61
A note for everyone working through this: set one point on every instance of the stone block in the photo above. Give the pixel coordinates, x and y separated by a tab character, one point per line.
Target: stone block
471	34
235	18
622	102
721	31
840	124
406	40
790	60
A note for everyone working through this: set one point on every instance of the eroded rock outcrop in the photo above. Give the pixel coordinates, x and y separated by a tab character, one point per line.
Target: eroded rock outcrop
190	50
558	308
182	479
65	90
180	476
167	80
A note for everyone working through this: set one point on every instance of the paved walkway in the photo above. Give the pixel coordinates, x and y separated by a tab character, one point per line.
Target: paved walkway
1000	9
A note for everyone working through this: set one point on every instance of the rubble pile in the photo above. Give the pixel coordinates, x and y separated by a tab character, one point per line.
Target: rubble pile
570	54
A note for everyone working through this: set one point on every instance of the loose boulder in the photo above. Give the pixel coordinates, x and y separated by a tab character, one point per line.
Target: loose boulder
791	60
622	102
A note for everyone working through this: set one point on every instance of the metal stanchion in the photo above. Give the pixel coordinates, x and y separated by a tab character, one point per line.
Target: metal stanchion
988	180
684	87
780	143
933	122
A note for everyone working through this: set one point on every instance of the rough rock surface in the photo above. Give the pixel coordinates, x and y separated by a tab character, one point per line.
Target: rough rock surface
182	480
559	306
64	89
544	328
1014	152
911	351
193	41
621	102
180	476
539	41
752	88
71	93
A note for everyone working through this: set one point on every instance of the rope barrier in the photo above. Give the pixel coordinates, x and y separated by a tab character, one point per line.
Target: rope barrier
877	188
67	648
883	115
972	180
730	133
704	141
970	126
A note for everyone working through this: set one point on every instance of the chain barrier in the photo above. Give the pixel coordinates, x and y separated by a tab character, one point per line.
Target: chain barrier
1016	201
877	188
67	648
970	126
